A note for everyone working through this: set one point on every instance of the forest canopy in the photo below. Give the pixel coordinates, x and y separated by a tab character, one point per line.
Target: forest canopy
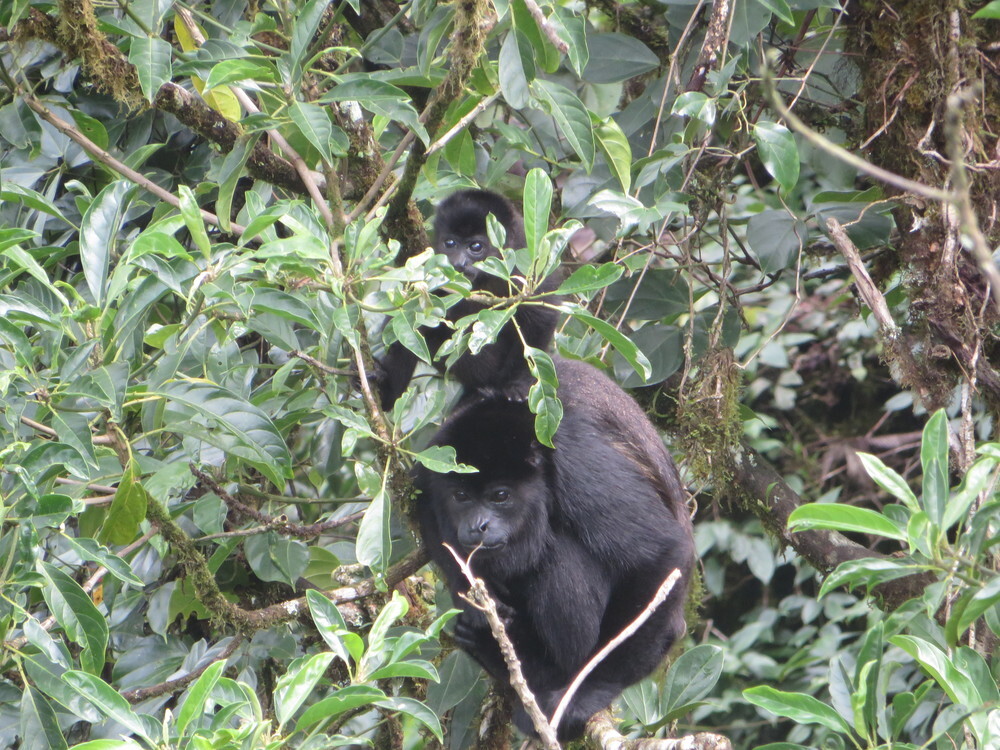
776	222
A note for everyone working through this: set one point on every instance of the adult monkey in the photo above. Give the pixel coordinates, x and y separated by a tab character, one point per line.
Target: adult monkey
460	234
573	543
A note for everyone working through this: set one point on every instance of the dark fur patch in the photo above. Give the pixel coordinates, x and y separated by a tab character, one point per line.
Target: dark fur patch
496	435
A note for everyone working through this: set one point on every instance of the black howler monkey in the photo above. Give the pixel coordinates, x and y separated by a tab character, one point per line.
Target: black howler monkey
573	542
460	234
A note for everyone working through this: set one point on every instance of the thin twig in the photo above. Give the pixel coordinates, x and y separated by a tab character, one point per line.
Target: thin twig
99	154
546	27
662	593
480	598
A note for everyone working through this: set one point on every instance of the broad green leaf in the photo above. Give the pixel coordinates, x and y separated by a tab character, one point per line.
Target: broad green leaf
776	238
692	676
570	115
127	511
91	127
778	152
589	278
230	423
869	571
516	69
90	550
970	607
76	614
275	558
975	481
798	707
616	149
307	21
938	665
108	701
615	57
417	710
572	29
990	10
416	668
13	193
889	480
780	8
537	206
152	58
545	52
934	460
99	230
196	697
297	684
345	699
39	724
617	339
844	518
314	123
396	608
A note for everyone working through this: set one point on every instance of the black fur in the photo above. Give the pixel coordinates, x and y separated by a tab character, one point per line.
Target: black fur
460	233
587	534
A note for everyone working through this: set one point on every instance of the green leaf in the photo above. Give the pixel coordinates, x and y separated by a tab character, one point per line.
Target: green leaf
191	212
91	127
691	677
934	460
99	230
442	459
275	558
938	665
975	481
617	339
76	614
107	700
889	480
307	21
616	149
221	418
415	709
345	699
778	152
516	69
90	550
373	543
870	571
571	117
314	123
970	607
39	724
537	206
990	10
196	697
297	684
776	237
330	623
127	511
844	518
589	278
617	57
797	707
239	69
543	399
153	61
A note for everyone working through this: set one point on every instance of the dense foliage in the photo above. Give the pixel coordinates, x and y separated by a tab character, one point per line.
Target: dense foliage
212	221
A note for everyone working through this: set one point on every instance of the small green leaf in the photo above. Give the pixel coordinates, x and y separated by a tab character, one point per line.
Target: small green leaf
239	69
442	459
844	518
537	205
934	460
617	339
345	699
990	10
889	480
127	511
543	399
616	149
777	149
415	709
373	543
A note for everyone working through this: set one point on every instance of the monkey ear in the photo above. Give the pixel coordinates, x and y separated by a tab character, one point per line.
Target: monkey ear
535	457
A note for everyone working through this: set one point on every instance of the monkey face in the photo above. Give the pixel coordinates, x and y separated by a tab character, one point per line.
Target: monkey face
464	252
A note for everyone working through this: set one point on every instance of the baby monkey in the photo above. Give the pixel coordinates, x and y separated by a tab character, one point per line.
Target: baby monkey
460	234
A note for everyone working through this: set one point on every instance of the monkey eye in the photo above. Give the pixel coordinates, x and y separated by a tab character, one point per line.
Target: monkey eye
450	243
461	496
476	247
501	496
